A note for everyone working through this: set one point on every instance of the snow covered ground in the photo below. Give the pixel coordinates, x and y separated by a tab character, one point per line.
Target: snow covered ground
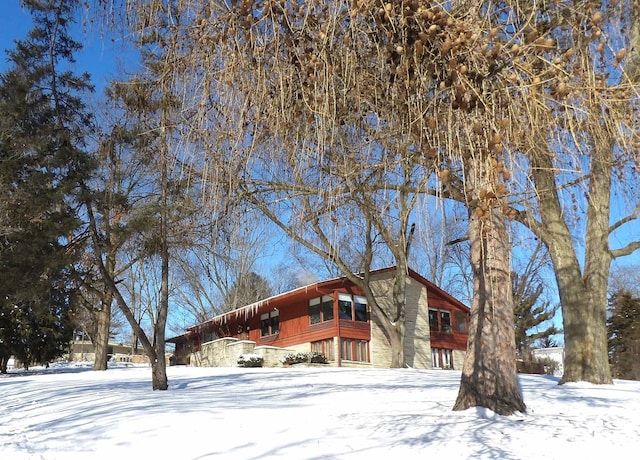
303	413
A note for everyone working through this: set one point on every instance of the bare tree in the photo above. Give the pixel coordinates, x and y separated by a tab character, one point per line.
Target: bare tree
581	134
226	249
625	278
441	247
118	198
345	109
150	98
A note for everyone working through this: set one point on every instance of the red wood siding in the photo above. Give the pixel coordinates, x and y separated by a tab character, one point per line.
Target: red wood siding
453	341
295	327
294	322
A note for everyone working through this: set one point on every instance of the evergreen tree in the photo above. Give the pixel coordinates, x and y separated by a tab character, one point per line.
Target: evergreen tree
530	312
42	128
530	308
623	327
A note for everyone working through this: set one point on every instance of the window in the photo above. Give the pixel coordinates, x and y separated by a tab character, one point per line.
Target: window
433	320
362	350
314	311
327	308
441	358
354	350
275	322
440	320
445	320
461	322
270	323
352	308
360	307
325	347
345	306
320	309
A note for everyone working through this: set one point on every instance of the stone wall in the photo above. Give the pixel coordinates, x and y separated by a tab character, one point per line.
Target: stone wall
221	352
225	352
379	350
271	356
458	359
416	347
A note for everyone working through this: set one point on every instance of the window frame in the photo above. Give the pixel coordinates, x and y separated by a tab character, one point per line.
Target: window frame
439	319
360	301
461	322
315	304
270	323
345	300
326	306
442	358
325	347
323	306
356	350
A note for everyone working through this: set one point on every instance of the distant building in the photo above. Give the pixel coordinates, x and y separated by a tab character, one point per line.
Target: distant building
333	317
83	350
554	353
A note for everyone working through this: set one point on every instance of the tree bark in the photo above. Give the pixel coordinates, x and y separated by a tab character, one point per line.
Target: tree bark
394	334
103	318
158	364
583	298
397	346
159	367
489	377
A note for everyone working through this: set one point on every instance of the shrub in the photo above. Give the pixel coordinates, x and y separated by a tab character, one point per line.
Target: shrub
250	360
304	357
543	365
550	365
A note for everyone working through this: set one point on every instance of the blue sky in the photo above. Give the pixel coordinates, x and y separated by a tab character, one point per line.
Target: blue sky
101	57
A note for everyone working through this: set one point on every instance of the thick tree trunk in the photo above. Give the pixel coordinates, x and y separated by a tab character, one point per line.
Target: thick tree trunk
392	319
393	331
583	298
101	343
489	377
159	373
396	341
585	332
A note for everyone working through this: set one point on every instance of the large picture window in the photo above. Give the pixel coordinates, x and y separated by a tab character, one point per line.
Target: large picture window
461	321
360	308
445	321
314	311
433	320
327	308
325	347
441	358
354	350
440	320
345	306
320	309
352	308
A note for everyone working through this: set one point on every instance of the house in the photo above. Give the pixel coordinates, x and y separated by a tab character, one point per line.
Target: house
84	350
554	354
334	318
